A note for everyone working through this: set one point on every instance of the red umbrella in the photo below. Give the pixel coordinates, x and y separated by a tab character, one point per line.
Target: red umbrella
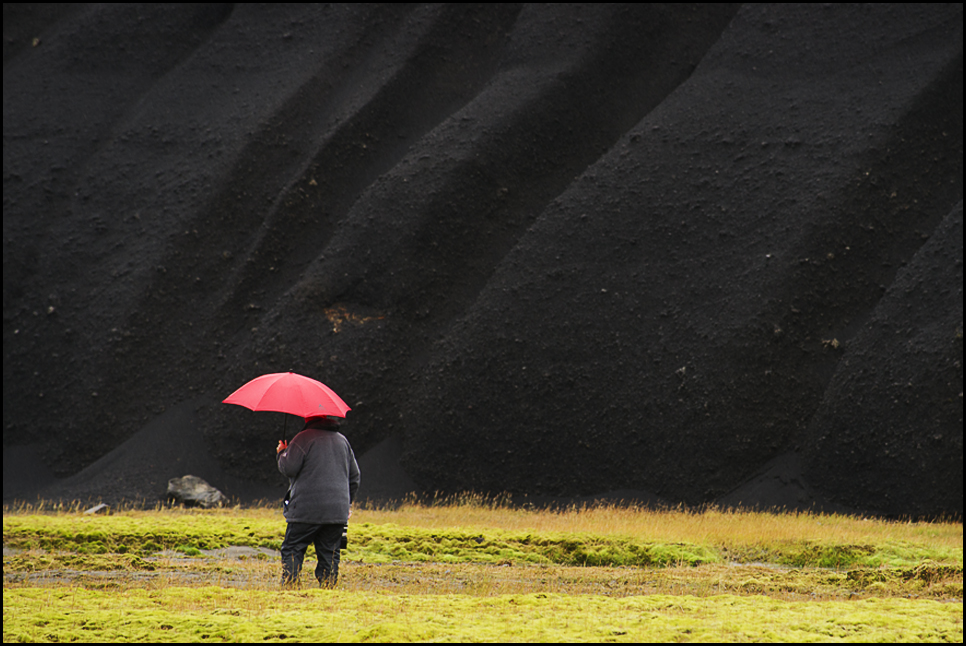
287	392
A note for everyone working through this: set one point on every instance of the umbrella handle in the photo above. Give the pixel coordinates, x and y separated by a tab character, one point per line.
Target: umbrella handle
285	428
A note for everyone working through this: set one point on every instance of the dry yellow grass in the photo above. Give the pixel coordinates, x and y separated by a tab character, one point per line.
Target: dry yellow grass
710	526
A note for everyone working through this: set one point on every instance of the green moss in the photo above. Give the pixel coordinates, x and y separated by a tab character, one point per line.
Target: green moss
842	556
188	550
31	562
382	543
141	533
190	614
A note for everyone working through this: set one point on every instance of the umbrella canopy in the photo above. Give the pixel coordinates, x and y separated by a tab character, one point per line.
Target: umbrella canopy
288	392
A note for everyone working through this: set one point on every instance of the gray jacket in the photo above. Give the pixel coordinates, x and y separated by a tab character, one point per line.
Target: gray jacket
323	476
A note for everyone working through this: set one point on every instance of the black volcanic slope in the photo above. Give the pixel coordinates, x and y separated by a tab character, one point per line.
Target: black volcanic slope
673	250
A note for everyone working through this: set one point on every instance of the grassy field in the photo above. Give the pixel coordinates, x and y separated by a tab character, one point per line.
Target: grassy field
476	570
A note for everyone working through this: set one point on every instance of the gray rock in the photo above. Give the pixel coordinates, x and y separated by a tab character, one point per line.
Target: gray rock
192	491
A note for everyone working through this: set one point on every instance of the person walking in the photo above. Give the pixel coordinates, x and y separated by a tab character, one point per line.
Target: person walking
323	480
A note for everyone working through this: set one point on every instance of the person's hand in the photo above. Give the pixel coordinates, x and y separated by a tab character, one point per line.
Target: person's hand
282	445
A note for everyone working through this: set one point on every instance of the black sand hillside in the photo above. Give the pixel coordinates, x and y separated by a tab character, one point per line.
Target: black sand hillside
677	251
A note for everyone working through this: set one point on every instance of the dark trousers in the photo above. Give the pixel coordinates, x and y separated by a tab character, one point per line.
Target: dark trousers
298	537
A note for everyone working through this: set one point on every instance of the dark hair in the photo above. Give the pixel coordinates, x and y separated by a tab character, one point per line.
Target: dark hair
323	422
